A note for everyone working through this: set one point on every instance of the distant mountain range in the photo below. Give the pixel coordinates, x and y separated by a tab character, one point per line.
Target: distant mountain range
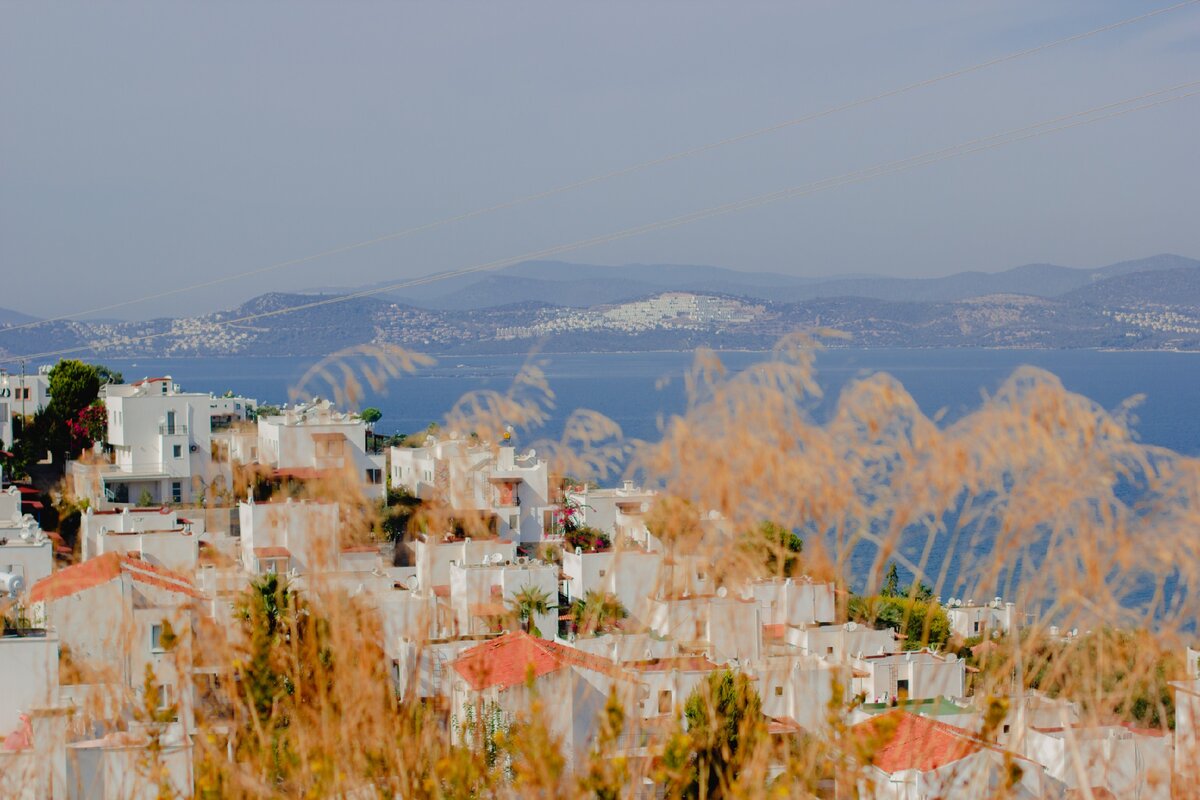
1151	303
585	285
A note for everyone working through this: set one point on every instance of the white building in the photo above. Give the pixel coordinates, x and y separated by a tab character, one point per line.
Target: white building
489	684
25	550
797	688
842	642
120	615
514	489
1127	761
630	574
1187	726
32	721
619	512
161	440
923	759
795	602
720	626
290	537
969	619
313	440
917	674
160	536
481	595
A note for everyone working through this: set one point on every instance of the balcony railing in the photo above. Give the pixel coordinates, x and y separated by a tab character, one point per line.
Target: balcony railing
172	430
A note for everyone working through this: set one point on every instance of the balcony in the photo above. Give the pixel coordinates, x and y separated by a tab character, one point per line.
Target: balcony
172	430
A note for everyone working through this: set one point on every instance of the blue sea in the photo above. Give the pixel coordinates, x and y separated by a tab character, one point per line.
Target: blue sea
637	389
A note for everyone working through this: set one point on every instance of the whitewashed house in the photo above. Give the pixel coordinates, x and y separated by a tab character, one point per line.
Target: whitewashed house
918	758
314	440
32	719
489	684
159	536
512	488
120	615
916	674
161	443
797	688
294	537
619	512
481	594
630	574
1125	760
1187	725
26	552
841	642
721	626
969	619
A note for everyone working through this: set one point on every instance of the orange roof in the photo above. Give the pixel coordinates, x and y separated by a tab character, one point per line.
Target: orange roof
916	742
102	569
504	662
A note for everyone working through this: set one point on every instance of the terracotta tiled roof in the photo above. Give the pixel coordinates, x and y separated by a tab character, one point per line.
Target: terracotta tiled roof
504	662
916	742
102	569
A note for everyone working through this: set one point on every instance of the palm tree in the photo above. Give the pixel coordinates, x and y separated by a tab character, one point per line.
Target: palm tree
528	602
597	612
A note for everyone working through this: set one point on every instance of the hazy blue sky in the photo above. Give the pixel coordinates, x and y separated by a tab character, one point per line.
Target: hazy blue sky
147	146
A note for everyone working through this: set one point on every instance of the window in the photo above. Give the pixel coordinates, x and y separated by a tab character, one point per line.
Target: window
902	688
156	632
163	695
700	575
514	522
664	701
1006	728
375	476
976	626
779	691
603	572
177	450
829	650
176	492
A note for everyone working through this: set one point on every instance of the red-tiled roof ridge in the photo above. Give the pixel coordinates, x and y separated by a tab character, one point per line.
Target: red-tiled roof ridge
917	742
102	569
505	661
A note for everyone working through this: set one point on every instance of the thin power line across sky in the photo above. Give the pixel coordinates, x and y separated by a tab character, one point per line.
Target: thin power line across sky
616	173
1142	102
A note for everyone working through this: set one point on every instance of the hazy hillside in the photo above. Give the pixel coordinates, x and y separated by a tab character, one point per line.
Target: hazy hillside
1178	288
585	285
10	317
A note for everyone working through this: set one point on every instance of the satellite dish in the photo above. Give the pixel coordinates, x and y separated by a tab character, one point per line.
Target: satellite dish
722	592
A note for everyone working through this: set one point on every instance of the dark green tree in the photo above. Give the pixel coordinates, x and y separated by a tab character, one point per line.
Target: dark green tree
724	724
74	386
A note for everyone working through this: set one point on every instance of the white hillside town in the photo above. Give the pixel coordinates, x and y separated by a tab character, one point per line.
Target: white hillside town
516	585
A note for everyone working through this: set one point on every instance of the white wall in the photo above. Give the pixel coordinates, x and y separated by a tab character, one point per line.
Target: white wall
308	530
28	675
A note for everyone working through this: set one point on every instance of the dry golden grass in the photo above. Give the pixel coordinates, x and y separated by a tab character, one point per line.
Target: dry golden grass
1024	497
